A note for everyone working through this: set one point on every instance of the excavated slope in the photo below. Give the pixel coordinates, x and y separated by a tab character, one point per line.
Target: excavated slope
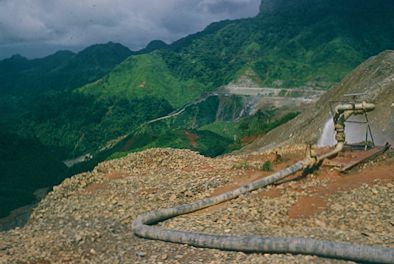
87	219
374	77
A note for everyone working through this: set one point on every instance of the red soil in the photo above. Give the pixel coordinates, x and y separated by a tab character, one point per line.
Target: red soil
317	201
317	198
192	138
94	187
115	175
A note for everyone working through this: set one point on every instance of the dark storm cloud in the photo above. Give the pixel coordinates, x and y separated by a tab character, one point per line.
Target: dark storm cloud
237	8
27	25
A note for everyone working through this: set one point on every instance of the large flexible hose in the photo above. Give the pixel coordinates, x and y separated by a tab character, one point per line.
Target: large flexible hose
142	225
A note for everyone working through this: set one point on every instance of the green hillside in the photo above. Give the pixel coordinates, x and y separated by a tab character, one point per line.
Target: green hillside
212	127
25	166
145	75
313	43
290	48
63	70
74	123
25	82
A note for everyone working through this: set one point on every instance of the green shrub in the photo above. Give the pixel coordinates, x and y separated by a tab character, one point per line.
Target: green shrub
266	166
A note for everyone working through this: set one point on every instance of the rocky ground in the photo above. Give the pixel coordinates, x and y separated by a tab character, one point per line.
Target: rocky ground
87	219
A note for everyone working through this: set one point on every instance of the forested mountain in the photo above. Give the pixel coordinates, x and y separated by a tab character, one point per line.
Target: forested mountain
24	82
292	44
288	44
64	69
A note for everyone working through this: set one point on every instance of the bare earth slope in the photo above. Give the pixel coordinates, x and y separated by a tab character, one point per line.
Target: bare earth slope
375	77
87	219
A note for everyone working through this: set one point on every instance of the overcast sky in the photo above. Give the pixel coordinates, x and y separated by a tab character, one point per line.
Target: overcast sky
35	28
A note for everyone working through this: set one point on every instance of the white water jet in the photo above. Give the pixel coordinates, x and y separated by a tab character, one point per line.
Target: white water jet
327	138
71	162
355	132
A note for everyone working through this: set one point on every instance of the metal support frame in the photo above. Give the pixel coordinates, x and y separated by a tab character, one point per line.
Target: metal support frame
354	100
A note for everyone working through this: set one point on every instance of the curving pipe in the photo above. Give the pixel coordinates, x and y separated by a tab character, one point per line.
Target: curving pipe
143	224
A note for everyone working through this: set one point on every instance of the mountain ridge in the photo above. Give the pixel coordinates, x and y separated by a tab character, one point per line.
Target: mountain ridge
59	71
291	6
313	49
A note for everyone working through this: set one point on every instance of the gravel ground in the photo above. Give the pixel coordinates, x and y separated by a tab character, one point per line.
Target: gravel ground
87	218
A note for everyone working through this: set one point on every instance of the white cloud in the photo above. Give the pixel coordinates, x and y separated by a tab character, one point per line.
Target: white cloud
79	23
